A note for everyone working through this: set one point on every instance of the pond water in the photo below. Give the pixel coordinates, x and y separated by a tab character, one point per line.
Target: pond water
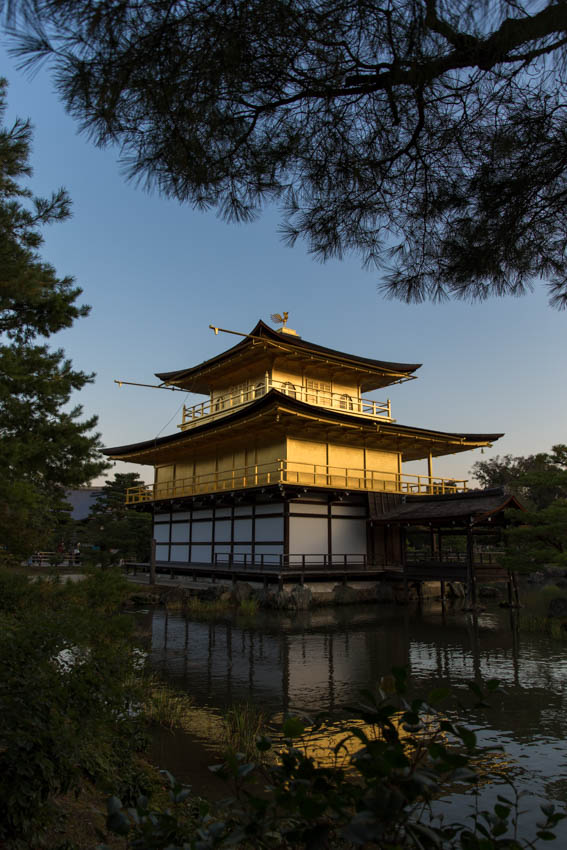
320	660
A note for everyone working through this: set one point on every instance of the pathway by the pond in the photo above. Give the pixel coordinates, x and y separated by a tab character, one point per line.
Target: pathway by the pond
321	660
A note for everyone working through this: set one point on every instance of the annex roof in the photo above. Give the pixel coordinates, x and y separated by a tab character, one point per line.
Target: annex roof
376	373
472	507
277	412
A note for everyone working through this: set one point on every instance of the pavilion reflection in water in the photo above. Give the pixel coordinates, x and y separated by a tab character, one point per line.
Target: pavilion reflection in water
321	660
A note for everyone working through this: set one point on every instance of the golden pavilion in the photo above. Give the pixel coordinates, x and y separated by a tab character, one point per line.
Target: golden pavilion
287	458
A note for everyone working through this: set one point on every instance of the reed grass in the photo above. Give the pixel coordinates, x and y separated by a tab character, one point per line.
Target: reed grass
243	724
198	607
248	607
535	617
537	600
163	706
206	607
543	625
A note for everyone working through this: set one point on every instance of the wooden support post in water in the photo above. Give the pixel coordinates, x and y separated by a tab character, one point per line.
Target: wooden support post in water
471	580
516	591
153	562
404	564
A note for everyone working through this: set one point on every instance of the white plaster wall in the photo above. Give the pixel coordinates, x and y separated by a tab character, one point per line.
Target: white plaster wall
270	528
180	532
308	535
348	536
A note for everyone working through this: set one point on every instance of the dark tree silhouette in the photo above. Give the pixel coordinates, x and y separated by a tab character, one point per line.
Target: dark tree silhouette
45	446
426	135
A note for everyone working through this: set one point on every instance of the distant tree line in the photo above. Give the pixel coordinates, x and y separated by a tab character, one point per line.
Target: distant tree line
537	536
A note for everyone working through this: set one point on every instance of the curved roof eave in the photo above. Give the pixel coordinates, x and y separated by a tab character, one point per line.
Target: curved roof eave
263	330
274	397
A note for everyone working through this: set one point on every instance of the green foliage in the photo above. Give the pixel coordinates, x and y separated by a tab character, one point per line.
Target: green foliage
45	446
403	754
537	479
173	827
532	623
204	607
116	531
67	686
248	607
536	538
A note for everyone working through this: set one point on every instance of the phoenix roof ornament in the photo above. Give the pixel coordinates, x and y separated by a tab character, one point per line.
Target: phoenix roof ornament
278	319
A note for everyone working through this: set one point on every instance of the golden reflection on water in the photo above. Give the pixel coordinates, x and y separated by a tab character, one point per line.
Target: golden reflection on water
333	745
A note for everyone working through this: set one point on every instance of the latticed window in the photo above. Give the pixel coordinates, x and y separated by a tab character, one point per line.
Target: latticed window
321	386
318	392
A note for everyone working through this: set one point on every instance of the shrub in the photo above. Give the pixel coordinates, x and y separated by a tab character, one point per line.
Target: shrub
66	690
381	802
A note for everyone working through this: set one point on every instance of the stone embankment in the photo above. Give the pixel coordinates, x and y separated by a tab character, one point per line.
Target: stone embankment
291	597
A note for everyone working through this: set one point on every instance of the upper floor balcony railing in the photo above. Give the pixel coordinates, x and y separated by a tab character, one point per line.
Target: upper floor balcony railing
294	472
222	404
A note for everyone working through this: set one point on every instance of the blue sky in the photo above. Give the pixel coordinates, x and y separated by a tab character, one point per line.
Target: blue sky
156	274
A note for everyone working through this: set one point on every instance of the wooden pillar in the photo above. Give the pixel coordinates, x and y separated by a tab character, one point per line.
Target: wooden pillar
430	470
153	562
404	563
471	581
515	588
285	674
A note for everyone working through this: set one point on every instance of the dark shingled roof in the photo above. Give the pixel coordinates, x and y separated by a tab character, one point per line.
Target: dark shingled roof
475	505
264	331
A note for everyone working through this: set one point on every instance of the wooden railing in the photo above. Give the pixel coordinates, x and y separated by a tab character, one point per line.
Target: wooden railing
54	559
294	472
484	558
281	561
223	404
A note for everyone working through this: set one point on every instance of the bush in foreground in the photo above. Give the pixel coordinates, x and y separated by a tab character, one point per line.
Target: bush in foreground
402	756
67	686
